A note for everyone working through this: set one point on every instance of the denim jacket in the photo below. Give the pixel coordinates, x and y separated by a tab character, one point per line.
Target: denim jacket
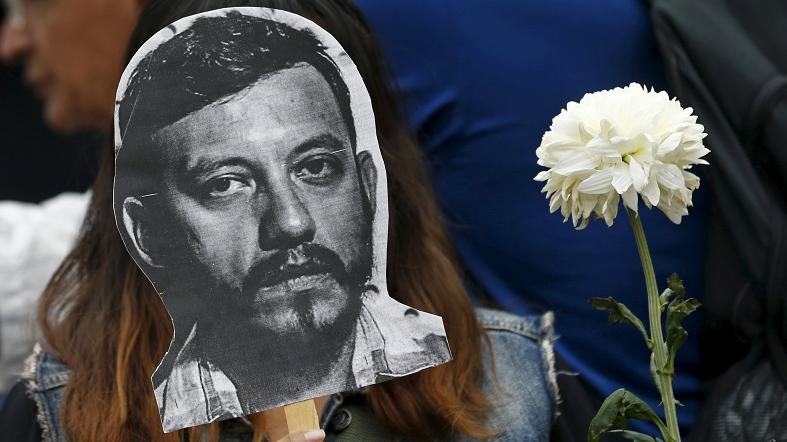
523	411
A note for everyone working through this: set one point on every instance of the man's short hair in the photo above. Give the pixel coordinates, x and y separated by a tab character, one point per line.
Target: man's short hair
215	58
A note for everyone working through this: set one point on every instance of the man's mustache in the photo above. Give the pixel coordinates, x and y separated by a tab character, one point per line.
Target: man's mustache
306	259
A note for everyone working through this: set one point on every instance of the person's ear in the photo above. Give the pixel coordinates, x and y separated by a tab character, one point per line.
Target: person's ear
368	173
136	223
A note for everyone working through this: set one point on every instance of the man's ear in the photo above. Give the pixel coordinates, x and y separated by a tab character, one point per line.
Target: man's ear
136	222
368	173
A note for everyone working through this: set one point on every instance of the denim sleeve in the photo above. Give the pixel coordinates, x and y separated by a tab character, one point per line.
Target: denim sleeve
519	377
523	404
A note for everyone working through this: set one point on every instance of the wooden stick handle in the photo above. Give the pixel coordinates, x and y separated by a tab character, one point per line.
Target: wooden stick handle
301	416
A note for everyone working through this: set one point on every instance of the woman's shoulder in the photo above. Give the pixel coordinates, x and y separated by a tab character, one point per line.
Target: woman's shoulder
534	327
520	340
520	375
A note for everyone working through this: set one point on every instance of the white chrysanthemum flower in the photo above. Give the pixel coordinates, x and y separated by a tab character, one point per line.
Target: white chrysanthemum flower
626	142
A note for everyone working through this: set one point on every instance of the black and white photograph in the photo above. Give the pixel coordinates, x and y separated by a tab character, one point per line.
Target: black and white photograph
251	191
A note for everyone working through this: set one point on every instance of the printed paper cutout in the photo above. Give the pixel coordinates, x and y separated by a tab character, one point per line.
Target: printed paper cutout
250	189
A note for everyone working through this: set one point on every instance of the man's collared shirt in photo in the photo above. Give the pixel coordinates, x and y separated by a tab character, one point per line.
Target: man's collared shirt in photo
198	391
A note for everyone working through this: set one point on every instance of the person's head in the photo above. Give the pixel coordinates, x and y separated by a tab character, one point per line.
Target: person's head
240	186
102	317
73	55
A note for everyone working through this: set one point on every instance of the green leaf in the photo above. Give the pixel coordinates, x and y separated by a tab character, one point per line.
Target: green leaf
675	284
679	308
635	436
615	412
675	338
664	298
620	314
677	311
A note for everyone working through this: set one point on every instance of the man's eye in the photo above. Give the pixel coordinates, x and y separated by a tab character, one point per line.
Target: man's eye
318	170
224	186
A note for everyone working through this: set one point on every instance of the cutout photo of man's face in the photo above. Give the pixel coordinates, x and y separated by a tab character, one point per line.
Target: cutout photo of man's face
273	202
250	189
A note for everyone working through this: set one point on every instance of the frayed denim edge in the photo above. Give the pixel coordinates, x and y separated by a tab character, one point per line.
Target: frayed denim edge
33	387
547	344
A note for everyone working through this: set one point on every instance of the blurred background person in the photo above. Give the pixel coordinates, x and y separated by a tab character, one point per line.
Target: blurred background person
72	53
59	60
58	163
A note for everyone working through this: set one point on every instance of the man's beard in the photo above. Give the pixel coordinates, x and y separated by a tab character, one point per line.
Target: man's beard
298	293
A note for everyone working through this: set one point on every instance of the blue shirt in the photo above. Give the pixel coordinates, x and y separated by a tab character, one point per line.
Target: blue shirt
482	81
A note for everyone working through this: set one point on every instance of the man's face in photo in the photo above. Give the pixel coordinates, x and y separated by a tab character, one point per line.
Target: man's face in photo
273	205
251	190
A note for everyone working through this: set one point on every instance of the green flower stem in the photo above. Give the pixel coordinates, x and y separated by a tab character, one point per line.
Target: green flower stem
663	379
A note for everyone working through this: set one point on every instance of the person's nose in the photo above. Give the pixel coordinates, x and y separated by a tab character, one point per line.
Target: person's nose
287	223
15	40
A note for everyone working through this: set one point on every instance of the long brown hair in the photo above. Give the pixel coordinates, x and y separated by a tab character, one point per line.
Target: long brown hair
101	316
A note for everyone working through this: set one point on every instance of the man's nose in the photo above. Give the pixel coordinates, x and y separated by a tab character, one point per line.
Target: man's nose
15	39
287	223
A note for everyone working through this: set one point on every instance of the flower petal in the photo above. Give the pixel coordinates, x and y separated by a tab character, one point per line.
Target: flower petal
597	184
610	208
543	175
669	144
605	149
554	202
651	193
631	200
577	162
674	214
621	179
670	176
638	177
588	204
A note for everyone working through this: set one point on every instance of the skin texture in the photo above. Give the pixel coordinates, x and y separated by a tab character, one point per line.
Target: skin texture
261	184
73	55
